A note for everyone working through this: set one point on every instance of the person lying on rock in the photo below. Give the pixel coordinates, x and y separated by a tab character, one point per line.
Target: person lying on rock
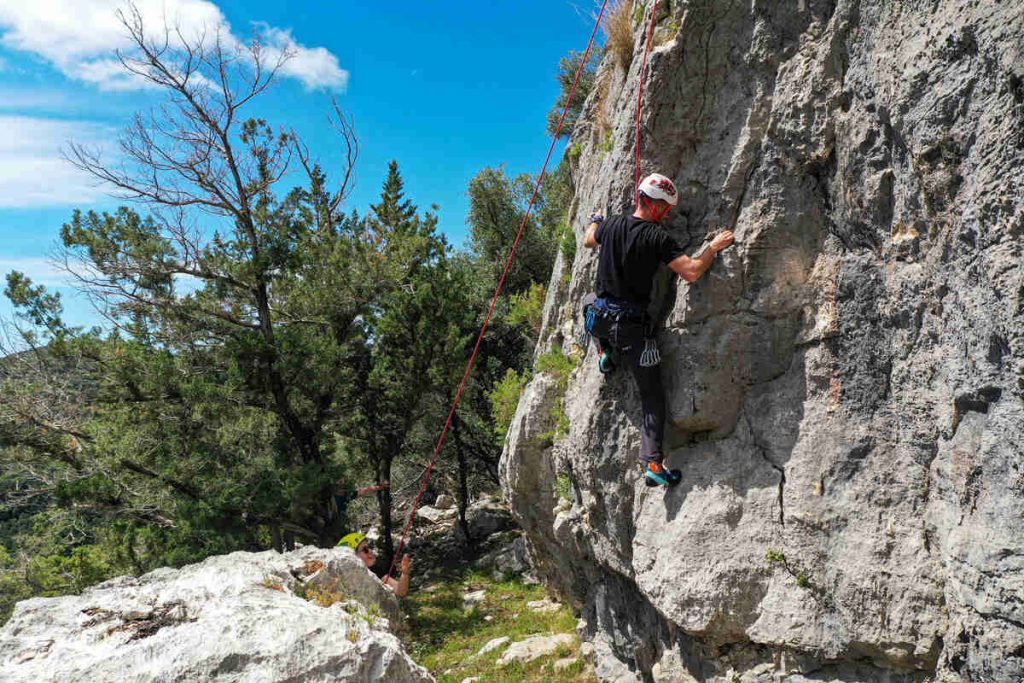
364	551
345	494
632	247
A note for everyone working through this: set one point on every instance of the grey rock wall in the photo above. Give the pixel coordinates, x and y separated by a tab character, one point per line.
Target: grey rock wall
845	385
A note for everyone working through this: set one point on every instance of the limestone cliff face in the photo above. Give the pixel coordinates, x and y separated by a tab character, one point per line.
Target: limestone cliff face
845	385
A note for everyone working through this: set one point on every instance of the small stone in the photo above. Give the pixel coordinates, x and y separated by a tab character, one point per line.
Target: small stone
493	645
535	647
473	598
565	663
471	679
545	606
489	617
444	502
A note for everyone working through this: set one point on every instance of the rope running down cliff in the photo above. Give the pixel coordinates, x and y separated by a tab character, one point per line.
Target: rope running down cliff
497	292
639	100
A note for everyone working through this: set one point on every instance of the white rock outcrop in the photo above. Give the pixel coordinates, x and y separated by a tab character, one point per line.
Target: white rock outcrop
238	617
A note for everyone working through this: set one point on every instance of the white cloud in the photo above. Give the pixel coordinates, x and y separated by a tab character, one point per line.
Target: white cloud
32	171
79	37
40	270
34	99
316	67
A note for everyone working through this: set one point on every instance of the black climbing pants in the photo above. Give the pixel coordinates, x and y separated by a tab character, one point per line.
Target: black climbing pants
622	329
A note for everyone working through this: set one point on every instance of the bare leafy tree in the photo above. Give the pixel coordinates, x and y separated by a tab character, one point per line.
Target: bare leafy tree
214	299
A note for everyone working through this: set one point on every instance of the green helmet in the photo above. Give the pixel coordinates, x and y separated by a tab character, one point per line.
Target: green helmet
352	540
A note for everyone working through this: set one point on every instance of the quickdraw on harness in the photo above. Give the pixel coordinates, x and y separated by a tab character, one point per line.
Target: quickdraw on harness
497	292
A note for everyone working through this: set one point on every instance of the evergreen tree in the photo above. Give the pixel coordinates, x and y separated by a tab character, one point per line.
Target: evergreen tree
567	68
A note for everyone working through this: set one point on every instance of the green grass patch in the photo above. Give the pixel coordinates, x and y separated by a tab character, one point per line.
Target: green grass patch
567	244
563	486
527	308
444	636
558	365
505	398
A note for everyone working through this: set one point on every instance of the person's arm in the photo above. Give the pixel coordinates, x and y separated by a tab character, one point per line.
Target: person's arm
367	490
690	269
590	237
401	585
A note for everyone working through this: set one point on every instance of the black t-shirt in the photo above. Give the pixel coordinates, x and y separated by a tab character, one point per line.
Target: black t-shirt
631	249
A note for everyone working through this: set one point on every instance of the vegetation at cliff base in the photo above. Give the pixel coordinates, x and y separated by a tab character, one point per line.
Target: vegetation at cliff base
448	634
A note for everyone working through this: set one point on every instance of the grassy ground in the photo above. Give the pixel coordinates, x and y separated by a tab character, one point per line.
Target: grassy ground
445	636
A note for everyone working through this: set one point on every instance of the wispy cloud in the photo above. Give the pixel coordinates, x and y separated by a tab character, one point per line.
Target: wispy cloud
40	270
22	99
32	171
79	37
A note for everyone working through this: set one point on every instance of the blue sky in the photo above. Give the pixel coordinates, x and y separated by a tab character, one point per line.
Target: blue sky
445	88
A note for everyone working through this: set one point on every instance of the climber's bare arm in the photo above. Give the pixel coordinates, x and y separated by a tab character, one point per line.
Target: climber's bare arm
590	239
401	585
690	269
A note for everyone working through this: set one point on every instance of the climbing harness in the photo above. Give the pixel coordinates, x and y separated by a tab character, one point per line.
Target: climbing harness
620	325
497	292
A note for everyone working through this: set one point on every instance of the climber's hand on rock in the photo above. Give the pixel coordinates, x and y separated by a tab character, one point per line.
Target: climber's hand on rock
722	240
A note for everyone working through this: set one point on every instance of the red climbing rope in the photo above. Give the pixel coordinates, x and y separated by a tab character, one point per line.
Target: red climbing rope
639	98
497	292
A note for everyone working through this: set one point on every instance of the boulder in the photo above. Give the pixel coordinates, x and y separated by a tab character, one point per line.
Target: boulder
488	516
312	614
433	515
507	560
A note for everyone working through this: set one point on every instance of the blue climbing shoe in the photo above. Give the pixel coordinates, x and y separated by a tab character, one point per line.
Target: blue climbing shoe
656	475
606	362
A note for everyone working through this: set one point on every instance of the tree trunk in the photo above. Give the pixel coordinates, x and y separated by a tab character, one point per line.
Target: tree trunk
463	492
386	547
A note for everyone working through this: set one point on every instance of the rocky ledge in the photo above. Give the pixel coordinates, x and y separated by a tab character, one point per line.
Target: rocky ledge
309	615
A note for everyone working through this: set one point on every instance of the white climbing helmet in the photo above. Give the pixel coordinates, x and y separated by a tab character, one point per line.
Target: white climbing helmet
657	186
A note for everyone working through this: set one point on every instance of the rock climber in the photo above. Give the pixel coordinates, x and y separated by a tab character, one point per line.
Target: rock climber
632	247
359	543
